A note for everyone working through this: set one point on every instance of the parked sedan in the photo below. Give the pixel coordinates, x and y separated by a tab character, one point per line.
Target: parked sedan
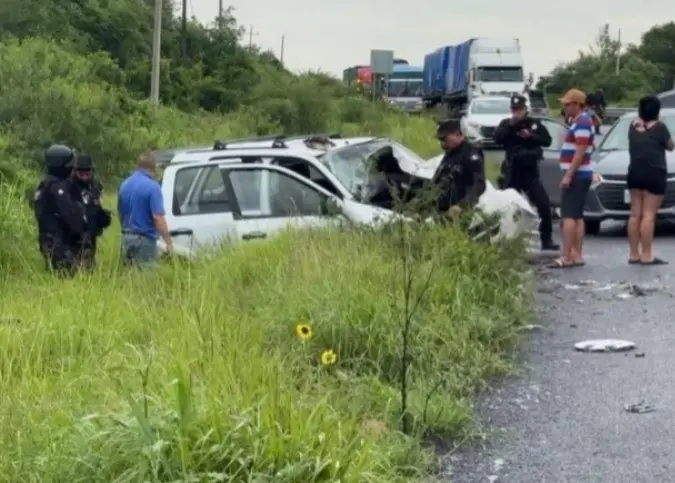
609	198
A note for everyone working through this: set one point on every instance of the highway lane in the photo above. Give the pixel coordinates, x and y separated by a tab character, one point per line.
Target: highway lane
563	419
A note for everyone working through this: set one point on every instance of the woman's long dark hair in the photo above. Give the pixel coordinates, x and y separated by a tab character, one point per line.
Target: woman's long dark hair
649	108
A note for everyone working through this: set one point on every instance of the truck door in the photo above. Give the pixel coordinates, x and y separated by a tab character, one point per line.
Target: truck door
267	199
197	203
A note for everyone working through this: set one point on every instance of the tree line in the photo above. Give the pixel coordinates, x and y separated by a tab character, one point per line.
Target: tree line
625	73
78	72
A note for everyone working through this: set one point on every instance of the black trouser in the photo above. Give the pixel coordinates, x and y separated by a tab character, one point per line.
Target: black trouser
58	257
535	192
86	254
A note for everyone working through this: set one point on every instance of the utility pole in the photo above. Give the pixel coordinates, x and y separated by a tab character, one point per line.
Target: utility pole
183	39
220	10
283	45
251	33
156	53
618	54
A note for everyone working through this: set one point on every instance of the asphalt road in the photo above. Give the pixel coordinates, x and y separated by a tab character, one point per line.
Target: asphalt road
563	418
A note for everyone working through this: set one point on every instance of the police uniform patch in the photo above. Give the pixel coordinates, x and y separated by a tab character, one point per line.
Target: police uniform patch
60	192
475	157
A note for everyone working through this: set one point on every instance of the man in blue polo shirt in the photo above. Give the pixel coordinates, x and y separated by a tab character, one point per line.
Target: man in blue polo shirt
141	212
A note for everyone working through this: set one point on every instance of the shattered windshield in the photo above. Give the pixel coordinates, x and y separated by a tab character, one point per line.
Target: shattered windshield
350	164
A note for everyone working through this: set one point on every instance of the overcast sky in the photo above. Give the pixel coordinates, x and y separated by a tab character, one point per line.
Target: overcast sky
331	35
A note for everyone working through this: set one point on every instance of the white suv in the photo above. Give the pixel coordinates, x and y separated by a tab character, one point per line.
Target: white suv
239	193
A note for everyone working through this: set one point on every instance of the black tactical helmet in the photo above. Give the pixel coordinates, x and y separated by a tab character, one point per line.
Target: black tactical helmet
84	162
58	156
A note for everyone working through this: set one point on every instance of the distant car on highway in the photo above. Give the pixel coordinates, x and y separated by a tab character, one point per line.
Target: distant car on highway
482	116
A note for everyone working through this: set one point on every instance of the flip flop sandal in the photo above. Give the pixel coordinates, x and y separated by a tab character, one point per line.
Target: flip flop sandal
560	263
579	264
655	261
634	262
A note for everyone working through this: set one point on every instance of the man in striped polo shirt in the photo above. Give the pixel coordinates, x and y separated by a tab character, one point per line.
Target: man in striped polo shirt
575	163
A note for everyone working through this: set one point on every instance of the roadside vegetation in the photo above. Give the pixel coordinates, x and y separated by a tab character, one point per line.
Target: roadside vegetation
645	68
280	361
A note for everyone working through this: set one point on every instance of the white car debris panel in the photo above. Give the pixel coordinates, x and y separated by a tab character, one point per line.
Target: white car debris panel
251	193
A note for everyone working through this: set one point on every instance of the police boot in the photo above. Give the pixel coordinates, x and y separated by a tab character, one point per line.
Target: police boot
549	245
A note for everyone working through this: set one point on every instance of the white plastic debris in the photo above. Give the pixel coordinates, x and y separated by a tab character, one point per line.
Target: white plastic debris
605	345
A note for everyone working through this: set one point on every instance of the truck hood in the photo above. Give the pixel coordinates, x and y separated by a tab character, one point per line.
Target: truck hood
615	163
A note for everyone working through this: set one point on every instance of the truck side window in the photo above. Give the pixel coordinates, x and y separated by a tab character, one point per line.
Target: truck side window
200	192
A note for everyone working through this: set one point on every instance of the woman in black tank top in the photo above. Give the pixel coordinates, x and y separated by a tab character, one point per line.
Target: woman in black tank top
648	140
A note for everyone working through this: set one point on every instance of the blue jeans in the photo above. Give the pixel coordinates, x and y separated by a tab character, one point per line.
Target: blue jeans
138	250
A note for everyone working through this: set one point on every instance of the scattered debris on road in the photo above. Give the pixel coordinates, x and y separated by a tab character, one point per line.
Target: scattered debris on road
605	345
639	408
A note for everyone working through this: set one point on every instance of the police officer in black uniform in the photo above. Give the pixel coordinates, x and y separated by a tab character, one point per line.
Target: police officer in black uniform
523	138
86	189
60	219
461	173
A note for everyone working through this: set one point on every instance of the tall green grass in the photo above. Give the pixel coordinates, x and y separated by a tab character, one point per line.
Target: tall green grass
194	372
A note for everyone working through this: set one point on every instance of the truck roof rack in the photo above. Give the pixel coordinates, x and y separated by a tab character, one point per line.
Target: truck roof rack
278	140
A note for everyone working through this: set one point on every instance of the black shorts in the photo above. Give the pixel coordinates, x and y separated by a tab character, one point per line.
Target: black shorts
652	180
573	199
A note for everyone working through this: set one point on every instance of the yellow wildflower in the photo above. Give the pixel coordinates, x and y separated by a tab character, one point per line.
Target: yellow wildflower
303	331
328	357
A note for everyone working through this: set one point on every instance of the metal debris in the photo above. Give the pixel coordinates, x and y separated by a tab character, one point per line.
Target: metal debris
531	327
639	408
605	345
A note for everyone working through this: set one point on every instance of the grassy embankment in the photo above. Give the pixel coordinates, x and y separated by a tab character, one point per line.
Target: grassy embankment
192	371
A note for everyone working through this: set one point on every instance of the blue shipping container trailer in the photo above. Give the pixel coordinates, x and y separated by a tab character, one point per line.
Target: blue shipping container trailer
482	61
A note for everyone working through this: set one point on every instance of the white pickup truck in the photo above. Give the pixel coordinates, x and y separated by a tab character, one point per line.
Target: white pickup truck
247	192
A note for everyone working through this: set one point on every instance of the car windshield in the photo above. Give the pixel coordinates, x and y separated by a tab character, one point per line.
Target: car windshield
408	88
490	106
617	137
350	163
500	74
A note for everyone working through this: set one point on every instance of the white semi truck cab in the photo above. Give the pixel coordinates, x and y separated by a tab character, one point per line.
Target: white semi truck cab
495	67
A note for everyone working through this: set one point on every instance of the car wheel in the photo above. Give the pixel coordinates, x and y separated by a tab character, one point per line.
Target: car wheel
592	227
